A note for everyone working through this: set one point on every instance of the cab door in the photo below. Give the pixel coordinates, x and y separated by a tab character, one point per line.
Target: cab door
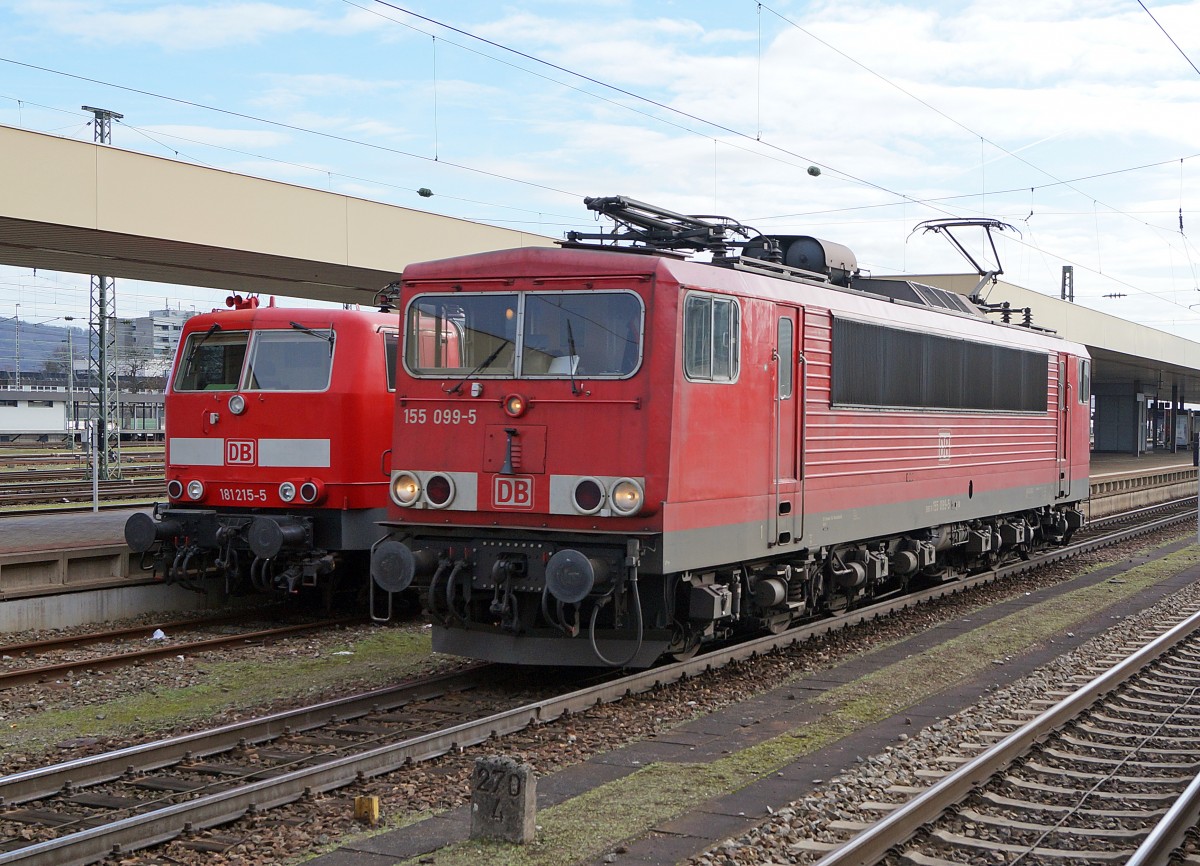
1065	405
785	499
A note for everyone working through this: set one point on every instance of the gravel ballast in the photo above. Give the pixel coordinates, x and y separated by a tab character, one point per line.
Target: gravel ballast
57	721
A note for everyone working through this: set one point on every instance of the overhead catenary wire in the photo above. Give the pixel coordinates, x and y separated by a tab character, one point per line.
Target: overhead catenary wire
805	214
1170	38
743	135
569	219
921	201
656	103
640	97
930	106
282	125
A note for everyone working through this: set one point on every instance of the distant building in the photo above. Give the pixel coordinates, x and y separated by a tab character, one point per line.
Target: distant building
157	334
44	392
34	411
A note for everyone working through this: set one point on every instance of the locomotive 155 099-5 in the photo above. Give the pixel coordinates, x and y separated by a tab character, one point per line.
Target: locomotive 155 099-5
606	453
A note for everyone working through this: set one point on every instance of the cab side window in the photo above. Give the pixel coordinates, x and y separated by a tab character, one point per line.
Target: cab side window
391	348
711	341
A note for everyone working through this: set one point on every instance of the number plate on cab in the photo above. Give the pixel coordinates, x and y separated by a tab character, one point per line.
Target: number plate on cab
241	494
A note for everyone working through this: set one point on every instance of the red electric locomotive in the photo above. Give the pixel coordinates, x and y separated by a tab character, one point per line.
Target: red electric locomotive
278	440
612	453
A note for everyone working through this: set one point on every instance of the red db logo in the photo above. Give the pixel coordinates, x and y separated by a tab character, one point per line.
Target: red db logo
239	451
512	491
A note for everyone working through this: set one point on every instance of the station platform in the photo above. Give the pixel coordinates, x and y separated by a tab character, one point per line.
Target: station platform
1121	482
75	529
53	553
63	570
1107	463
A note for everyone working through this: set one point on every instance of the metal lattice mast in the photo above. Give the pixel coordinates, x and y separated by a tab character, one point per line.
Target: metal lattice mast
103	384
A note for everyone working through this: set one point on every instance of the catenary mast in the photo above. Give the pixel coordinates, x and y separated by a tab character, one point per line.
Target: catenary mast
102	344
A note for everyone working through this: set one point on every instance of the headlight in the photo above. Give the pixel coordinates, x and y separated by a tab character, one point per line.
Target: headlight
287	491
405	489
237	404
175	488
515	405
195	490
311	491
626	497
588	496
439	490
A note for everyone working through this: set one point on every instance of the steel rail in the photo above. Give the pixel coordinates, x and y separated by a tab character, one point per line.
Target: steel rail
138	831
78	507
71	641
15	477
10	679
57	489
1168	834
872	844
92	770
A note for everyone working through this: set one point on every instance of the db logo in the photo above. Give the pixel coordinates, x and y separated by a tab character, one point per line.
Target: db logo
240	451
512	491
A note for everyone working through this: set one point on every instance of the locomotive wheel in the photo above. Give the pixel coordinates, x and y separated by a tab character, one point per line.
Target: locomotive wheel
685	645
778	624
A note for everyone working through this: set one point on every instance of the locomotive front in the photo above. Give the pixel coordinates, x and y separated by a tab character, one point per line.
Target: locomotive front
278	429
523	493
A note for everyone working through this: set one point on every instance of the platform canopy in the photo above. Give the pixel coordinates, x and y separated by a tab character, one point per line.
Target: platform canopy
88	208
1134	357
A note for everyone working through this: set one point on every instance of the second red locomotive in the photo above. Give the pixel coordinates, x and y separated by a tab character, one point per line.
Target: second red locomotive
278	447
610	454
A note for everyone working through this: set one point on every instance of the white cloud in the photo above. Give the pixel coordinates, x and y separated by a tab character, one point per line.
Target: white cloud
182	27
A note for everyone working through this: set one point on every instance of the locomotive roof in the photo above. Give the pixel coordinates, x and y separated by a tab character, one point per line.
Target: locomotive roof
272	316
748	278
545	261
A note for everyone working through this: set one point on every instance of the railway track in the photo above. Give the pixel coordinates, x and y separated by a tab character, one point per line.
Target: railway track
62	478
23	456
79	493
185	637
1181	509
81	811
1108	773
19	477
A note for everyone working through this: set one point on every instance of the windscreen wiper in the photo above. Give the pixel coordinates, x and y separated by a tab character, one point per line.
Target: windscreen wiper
487	362
212	329
575	389
327	337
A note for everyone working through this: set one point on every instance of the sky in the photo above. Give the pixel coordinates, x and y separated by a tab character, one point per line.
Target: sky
1075	123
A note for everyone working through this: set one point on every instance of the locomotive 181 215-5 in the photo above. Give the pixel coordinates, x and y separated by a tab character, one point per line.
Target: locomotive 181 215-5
278	447
608	452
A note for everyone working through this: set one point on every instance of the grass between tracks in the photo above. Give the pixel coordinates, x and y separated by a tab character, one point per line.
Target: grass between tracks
295	670
583	828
